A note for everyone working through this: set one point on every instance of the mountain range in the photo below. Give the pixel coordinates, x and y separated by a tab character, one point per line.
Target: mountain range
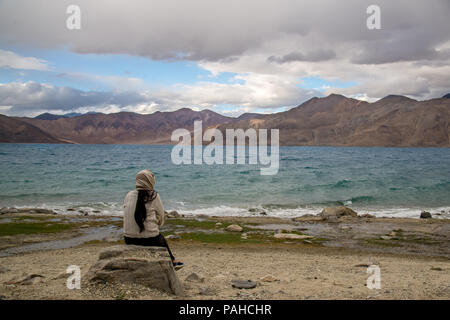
335	120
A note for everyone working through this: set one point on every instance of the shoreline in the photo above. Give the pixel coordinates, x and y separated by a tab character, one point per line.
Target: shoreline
225	211
325	259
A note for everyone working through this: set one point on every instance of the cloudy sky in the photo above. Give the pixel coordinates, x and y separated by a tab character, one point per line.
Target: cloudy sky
230	56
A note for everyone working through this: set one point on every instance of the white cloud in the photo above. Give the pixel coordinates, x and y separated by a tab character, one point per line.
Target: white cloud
12	60
270	45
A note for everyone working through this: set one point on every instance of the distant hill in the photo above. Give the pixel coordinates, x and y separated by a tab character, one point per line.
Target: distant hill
447	96
51	116
14	130
394	121
246	116
126	127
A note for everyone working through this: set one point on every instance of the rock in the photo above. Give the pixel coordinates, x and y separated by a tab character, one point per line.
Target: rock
85	226
386	237
218	224
70	209
96	211
195	277
366	215
307	218
207	291
36	210
244	236
148	266
5	210
393	234
27	280
291	236
173	214
345	228
243	284
62	275
362	265
234	228
258	211
172	236
337	212
268	278
3	269
425	215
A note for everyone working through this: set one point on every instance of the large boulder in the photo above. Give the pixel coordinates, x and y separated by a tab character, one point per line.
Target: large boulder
332	213
148	266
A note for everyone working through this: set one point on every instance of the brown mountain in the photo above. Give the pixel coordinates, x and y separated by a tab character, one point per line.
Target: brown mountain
334	120
339	121
14	130
125	127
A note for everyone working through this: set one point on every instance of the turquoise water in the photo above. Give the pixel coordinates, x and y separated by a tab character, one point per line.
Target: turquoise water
381	181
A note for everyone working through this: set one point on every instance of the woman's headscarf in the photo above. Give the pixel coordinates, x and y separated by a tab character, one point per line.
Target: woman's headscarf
145	180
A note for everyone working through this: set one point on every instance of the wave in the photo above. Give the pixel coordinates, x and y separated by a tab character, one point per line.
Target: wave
271	210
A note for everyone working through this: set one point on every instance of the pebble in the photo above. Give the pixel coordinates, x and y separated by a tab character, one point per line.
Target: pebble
243	284
195	277
268	278
234	228
3	269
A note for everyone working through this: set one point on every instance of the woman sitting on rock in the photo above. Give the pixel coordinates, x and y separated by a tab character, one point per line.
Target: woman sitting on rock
144	215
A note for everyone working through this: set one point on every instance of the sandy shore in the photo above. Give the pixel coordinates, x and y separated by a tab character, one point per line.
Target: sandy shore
413	256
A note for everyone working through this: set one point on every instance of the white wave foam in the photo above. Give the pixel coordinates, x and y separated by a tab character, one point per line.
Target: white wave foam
116	209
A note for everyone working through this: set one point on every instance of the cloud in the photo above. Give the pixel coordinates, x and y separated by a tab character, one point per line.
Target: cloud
257	92
12	60
269	44
213	31
314	56
114	82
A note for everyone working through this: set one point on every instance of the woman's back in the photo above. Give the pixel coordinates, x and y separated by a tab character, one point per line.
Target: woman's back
153	221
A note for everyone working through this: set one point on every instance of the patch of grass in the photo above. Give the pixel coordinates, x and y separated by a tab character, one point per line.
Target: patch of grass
191	223
8	229
436	268
38	218
419	240
213	237
234	237
206	224
381	243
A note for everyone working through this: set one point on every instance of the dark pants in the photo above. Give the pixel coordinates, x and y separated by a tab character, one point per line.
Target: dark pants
158	241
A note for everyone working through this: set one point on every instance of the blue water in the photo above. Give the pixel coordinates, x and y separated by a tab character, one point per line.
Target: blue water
381	181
